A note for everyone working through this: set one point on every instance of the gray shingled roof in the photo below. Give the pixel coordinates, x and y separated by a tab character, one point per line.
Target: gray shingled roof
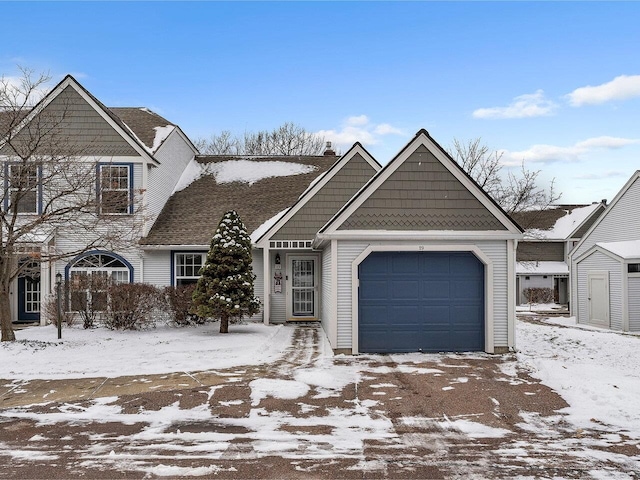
191	216
141	121
543	219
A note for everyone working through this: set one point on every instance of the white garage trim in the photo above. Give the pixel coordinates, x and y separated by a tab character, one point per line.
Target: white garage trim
488	283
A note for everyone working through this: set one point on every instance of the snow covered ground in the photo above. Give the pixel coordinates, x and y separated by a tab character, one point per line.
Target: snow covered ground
99	352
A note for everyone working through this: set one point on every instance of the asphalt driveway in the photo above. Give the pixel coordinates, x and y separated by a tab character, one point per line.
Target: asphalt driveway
307	416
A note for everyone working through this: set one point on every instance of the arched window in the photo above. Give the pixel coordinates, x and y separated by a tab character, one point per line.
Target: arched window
89	277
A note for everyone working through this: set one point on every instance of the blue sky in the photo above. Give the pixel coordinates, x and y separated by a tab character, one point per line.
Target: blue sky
555	84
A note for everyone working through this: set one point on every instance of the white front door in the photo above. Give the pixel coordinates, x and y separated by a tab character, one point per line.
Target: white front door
598	285
302	287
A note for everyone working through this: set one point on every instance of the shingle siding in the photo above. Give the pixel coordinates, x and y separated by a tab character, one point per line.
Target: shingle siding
78	124
422	195
327	201
540	251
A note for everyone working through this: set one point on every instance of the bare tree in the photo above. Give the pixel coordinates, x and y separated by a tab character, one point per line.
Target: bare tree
514	192
50	192
287	139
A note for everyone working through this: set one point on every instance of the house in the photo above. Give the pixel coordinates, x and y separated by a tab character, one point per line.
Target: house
550	235
605	265
414	256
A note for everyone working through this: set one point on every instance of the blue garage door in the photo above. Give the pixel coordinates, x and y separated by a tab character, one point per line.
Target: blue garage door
421	302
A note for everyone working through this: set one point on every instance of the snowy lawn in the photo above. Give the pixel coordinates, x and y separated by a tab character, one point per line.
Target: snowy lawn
596	371
98	352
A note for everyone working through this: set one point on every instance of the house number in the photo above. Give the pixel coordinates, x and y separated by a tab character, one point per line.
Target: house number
421	247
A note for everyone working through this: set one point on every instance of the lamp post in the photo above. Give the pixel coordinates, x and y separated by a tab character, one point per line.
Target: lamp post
58	312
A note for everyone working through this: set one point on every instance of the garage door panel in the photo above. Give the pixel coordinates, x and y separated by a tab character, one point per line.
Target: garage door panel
421	301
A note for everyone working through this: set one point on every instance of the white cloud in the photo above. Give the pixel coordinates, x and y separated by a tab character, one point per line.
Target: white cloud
358	129
620	88
553	153
523	106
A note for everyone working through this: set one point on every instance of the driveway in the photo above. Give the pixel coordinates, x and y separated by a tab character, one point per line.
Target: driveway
309	415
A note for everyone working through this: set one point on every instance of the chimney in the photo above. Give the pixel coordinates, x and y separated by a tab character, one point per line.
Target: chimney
604	202
329	152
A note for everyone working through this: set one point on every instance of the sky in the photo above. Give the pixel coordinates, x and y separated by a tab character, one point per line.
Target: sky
556	85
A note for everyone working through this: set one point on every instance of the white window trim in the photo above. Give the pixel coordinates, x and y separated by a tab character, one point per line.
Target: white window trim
177	277
129	169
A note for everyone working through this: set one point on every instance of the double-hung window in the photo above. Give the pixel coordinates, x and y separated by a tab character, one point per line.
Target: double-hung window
187	267
22	187
115	189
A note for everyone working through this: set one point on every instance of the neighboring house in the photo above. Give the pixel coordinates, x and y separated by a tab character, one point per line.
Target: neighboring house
414	256
550	235
605	265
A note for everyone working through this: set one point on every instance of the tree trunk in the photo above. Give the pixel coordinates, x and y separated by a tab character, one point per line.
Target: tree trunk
224	324
5	315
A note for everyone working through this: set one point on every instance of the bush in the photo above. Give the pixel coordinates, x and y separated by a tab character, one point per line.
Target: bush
50	309
538	295
131	306
179	302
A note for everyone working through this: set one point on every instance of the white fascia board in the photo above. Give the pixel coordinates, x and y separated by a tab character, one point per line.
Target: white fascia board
328	175
422	139
597	248
174	247
418	234
607	209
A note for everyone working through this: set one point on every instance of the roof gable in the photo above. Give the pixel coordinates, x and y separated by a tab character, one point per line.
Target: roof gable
73	117
619	221
421	189
559	222
325	196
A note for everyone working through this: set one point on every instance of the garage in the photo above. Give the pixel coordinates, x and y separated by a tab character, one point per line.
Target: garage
421	301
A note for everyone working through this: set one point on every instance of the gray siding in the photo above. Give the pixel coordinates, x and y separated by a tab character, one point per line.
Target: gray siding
540	251
174	155
634	304
258	283
77	126
327	201
600	261
620	222
328	323
278	305
422	195
496	250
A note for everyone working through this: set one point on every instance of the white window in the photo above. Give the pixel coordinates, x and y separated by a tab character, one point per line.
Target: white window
115	189
90	277
187	267
23	188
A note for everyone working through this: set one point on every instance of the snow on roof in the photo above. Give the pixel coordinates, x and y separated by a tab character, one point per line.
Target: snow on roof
625	249
542	268
241	170
566	224
261	230
161	135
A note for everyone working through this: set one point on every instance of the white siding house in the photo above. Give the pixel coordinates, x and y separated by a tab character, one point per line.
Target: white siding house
605	265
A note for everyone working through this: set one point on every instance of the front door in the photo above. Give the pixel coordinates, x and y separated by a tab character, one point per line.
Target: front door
29	298
302	288
598	283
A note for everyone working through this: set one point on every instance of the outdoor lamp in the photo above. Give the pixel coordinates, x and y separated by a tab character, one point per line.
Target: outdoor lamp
58	312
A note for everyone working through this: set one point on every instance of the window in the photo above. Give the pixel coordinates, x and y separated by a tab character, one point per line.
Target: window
187	267
90	277
23	188
115	189
633	268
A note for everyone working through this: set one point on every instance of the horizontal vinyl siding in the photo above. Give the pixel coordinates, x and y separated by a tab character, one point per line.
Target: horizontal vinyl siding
634	304
495	250
599	261
620	222
328	323
258	283
157	268
174	155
